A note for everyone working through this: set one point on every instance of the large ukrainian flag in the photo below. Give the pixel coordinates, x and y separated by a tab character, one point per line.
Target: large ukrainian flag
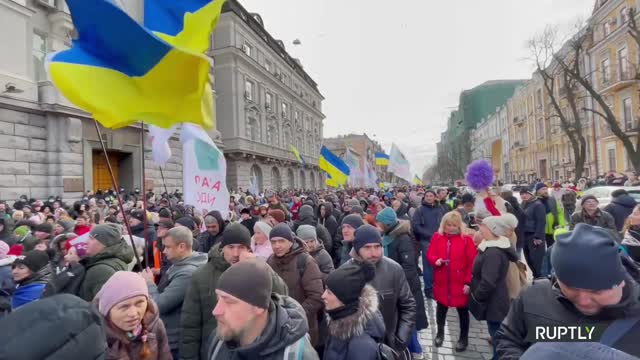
122	73
334	166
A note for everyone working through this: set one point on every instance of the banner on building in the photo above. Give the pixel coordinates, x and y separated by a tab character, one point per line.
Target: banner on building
204	171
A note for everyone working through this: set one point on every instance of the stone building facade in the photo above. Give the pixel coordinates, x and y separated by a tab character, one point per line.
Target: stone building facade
265	102
47	145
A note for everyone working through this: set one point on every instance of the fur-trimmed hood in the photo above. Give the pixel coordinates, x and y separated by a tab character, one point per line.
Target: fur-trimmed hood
402	227
367	319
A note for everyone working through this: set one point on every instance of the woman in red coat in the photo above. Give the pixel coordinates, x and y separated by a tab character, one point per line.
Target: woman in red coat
451	253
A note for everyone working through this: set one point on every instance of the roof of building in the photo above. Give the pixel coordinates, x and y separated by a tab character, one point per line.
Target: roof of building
255	22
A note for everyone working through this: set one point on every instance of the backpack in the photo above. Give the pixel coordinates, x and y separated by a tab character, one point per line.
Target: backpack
68	281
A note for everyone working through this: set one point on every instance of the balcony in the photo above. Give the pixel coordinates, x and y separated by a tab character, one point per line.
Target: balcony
261	149
621	80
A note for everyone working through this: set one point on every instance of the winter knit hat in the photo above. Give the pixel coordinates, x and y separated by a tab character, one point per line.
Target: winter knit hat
236	234
540	185
45	228
282	231
353	220
249	281
305	211
357	210
588	197
354	202
34	260
307	232
21	231
4	249
264	227
387	217
121	286
574	254
138	215
366	234
67	224
277	214
526	190
108	234
347	282
501	225
187	222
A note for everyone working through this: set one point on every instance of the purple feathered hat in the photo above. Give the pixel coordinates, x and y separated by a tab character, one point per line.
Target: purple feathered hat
479	175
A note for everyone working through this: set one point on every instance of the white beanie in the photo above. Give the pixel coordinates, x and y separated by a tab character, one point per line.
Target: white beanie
263	227
501	225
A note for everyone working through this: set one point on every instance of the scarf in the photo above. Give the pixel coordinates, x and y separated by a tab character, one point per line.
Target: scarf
386	241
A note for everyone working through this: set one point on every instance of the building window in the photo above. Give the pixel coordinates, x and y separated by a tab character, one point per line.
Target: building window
624	15
627	114
247	49
611	156
607	28
268	65
623	58
540	126
248	90
287	136
605	68
539	99
285	109
253	129
272	135
268	101
39	53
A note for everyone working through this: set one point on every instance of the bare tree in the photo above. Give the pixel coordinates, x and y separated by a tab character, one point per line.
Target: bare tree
579	43
546	57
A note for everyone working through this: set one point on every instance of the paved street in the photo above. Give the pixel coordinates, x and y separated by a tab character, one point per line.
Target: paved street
478	348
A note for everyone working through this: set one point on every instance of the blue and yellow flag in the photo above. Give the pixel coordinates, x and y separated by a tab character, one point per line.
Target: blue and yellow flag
296	153
334	166
382	159
121	72
185	23
331	183
417	180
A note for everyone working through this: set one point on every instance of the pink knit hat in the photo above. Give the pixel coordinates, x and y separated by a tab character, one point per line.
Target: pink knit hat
4	249
121	286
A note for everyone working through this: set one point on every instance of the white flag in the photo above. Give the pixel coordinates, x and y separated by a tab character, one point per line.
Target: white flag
204	172
399	165
160	149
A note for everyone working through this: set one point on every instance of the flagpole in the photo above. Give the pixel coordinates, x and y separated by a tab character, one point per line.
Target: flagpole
144	197
117	190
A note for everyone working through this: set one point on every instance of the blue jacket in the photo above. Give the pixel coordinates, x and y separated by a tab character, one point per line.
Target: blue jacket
536	219
25	294
426	221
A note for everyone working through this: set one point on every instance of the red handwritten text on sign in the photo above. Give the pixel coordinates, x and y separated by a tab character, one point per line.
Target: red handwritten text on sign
209	189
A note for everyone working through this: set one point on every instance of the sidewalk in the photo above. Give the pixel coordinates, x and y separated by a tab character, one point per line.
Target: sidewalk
479	347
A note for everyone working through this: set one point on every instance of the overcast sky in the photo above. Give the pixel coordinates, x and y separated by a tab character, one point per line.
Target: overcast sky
396	71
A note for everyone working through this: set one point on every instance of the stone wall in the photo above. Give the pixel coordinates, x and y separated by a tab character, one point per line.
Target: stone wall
172	170
37	152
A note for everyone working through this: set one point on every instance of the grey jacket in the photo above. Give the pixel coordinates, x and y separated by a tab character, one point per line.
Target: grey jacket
284	337
601	218
169	294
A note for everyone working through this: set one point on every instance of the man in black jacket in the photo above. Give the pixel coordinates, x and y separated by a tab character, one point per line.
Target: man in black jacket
581	293
620	207
398	306
534	244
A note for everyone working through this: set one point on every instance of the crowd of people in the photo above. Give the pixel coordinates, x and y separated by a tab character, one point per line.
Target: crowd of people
326	274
